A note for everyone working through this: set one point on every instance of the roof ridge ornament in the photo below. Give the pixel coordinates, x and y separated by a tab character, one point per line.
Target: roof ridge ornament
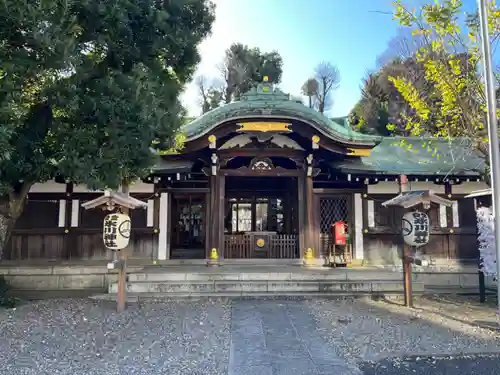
265	91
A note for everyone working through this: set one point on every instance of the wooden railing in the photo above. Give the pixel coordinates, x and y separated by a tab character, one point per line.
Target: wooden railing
237	246
272	246
285	246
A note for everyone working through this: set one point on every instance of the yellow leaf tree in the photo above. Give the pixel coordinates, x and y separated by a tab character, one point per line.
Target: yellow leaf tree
454	104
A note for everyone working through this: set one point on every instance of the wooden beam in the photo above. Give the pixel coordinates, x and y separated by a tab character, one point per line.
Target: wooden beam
245	172
252	152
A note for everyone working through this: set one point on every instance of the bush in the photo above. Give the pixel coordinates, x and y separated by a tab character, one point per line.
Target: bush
5	299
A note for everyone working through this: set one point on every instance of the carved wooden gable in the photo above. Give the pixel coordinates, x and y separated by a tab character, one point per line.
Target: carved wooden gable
261	164
261	141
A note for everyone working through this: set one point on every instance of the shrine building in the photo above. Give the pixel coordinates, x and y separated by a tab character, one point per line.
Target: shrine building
267	177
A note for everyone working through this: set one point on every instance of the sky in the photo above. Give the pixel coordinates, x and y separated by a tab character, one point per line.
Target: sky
347	33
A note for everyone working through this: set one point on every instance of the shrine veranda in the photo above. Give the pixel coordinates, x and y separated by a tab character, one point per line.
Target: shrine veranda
265	179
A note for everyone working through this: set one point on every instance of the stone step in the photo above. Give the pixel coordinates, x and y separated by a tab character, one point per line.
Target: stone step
267	286
135	297
348	275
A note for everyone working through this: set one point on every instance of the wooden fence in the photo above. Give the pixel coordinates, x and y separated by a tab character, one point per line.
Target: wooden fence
272	246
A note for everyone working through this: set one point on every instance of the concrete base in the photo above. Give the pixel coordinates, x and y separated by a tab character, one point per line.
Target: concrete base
48	278
45	277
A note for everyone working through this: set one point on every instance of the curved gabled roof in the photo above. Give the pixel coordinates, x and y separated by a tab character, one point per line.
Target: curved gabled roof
266	102
426	156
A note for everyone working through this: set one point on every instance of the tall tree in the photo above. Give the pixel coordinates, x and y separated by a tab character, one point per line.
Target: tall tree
319	88
310	89
209	93
241	69
88	87
381	104
328	78
454	102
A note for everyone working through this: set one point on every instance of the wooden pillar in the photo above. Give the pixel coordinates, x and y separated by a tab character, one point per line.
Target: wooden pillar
121	295
206	223
309	224
213	223
71	248
221	214
301	214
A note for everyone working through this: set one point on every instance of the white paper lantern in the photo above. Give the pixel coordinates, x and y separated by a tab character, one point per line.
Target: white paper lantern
116	231
416	227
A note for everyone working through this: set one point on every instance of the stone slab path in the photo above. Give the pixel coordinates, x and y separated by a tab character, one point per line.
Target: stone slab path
279	337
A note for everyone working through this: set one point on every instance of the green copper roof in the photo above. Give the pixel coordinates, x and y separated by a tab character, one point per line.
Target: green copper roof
266	102
417	156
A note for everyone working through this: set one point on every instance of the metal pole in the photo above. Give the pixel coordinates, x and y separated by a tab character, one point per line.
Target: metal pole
489	86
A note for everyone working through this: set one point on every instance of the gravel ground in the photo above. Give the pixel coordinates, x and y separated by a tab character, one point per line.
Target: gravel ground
366	330
83	337
221	337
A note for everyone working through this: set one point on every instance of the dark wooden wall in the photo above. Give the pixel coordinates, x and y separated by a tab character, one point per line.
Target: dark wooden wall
382	243
37	235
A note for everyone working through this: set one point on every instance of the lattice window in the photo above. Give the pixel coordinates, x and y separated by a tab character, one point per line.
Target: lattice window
333	209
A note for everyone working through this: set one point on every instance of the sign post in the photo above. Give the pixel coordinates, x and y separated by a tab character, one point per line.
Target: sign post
121	296
415	227
116	231
116	236
407	268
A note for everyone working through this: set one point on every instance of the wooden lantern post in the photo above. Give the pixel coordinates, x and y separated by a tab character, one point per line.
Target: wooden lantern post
410	199
111	201
121	295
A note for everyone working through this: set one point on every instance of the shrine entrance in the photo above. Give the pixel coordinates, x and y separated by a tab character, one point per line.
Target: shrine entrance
261	218
187	229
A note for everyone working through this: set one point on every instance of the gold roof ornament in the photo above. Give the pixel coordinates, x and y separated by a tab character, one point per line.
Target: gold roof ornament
358	152
264	127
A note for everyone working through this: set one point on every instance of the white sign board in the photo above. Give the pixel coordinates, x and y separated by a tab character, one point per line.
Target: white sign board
416	228
116	231
486	240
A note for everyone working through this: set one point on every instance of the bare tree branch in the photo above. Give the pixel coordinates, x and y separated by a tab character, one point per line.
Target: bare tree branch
328	77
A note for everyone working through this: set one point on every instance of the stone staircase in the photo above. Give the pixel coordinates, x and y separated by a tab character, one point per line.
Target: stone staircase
219	282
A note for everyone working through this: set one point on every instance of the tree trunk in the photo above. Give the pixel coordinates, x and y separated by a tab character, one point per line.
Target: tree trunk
310	101
321	107
11	207
6	225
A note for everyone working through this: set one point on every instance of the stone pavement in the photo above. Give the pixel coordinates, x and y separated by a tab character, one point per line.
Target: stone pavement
279	337
244	337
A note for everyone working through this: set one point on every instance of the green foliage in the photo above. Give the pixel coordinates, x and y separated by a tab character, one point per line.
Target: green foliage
87	86
320	87
6	300
381	104
453	104
242	68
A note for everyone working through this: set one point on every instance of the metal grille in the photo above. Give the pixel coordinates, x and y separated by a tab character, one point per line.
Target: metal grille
333	209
